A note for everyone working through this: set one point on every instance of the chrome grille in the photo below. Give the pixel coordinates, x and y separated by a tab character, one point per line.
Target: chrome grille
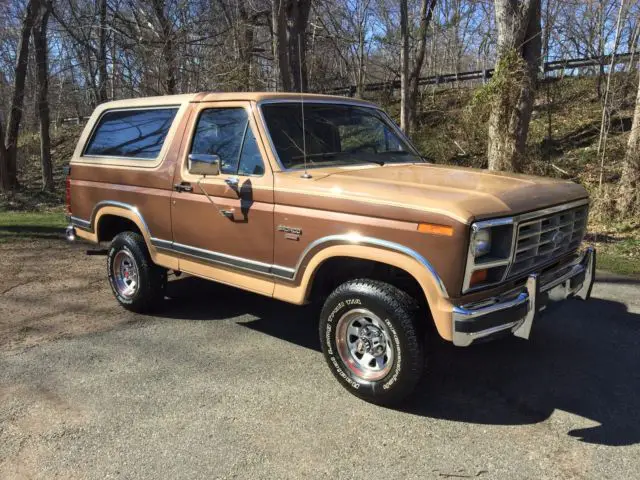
543	239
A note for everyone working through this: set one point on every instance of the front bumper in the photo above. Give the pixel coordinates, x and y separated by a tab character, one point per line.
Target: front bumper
514	312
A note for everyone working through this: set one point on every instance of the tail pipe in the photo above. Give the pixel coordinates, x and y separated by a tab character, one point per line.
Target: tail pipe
70	234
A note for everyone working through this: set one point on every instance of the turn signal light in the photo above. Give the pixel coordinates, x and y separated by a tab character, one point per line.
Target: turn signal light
435	229
479	276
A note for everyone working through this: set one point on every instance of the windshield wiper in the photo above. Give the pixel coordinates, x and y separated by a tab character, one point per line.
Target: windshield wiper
322	155
379	162
404	153
331	155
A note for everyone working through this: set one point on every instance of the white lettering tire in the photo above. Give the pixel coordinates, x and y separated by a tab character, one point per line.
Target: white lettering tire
370	341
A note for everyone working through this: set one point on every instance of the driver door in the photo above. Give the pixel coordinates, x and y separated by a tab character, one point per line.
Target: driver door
223	224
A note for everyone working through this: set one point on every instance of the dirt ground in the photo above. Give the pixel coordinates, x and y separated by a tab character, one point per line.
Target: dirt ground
52	290
226	384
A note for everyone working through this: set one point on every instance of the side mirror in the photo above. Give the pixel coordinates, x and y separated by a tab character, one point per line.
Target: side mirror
202	164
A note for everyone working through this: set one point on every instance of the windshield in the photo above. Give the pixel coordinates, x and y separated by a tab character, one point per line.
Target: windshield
335	135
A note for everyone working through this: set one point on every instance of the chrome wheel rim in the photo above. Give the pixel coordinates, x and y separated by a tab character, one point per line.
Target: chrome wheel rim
365	344
125	274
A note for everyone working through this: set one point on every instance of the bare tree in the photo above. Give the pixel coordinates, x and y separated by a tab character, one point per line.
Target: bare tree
280	50
289	26
298	19
4	163
426	13
17	102
101	59
78	20
348	29
165	34
514	84
404	67
40	45
629	195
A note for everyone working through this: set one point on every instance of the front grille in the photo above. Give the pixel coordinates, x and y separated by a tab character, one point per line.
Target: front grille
546	238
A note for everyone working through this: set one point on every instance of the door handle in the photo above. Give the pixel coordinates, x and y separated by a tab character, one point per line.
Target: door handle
232	181
183	187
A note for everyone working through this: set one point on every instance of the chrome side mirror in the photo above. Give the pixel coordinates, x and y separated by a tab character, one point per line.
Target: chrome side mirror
202	164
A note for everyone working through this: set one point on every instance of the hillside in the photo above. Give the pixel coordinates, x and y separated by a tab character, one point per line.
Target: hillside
453	131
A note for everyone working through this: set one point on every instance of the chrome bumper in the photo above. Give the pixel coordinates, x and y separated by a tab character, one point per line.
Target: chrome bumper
515	311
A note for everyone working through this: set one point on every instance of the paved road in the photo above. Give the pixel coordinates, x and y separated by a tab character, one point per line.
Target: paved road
226	384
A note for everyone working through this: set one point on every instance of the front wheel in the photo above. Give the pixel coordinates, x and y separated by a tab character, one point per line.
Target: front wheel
370	341
137	283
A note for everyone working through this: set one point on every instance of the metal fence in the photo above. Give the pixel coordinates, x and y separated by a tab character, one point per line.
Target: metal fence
569	64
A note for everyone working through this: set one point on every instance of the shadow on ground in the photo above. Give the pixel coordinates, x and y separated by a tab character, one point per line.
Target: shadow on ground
584	358
29	231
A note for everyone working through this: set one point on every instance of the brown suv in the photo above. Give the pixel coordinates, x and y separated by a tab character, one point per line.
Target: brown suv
226	187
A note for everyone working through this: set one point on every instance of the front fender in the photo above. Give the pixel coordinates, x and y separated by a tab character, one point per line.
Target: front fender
379	251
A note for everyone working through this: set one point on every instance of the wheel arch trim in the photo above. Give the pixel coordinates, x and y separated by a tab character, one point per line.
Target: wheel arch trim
322	243
88	229
403	258
92	224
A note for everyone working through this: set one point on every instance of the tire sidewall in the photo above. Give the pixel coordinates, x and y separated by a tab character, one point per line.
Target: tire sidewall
116	246
333	310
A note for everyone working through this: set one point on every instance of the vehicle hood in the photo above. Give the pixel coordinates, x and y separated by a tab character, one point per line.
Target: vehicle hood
465	194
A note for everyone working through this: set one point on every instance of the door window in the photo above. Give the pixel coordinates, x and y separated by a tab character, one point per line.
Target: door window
226	132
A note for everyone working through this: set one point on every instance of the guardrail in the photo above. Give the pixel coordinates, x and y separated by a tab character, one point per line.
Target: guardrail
486	74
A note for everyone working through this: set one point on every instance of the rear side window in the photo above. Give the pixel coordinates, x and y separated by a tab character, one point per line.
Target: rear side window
137	134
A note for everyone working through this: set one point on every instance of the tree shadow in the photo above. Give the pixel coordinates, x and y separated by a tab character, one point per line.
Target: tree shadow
586	135
31	231
583	358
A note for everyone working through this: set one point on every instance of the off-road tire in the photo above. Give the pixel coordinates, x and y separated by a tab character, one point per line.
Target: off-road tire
152	279
397	311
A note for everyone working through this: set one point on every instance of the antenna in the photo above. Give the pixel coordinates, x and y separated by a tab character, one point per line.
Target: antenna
304	137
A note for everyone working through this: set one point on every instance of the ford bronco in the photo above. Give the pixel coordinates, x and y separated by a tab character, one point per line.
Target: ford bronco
320	198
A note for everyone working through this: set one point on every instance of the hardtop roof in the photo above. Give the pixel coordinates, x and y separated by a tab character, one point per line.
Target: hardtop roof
167	100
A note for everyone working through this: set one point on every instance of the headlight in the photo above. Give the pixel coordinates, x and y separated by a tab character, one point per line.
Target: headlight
480	242
489	253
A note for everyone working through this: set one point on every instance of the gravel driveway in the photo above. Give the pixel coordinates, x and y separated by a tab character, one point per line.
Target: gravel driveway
226	384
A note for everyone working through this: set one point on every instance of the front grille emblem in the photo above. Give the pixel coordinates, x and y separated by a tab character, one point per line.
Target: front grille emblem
557	239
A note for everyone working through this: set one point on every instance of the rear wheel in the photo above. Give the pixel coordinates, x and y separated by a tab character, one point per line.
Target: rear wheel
370	341
137	283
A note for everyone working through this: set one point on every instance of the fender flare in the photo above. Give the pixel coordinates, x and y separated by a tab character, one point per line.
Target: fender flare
382	251
89	231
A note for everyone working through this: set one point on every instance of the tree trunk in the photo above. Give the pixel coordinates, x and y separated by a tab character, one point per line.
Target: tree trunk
245	47
404	67
4	163
298	18
514	83
17	102
40	46
280	47
426	13
168	53
629	195
102	52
